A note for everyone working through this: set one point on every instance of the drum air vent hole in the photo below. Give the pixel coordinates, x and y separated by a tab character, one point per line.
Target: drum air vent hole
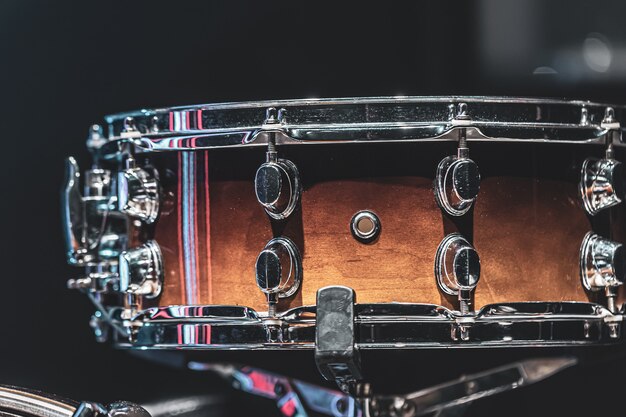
365	226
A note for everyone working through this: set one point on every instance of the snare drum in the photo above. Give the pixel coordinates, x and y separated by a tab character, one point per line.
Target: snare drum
389	223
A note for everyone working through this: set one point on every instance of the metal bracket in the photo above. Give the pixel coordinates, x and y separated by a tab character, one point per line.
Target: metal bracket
336	354
460	330
613	131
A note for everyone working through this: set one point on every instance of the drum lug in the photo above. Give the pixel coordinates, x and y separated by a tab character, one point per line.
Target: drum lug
601	184
141	271
137	188
457	180
602	264
336	354
457	270
138	194
602	180
277	181
278	271
97	221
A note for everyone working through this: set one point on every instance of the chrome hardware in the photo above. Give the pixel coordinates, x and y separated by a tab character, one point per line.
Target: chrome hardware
100	327
141	276
457	184
141	270
278	271
457	180
610	122
129	128
459	115
602	180
584	116
377	326
601	184
349	120
116	409
96	138
21	402
365	226
100	278
457	269
74	223
602	265
93	234
96	231
138	194
277	181
126	409
137	189
154	124
273	117
277	186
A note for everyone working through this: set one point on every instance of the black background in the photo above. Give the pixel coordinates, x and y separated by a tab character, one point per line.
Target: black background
64	66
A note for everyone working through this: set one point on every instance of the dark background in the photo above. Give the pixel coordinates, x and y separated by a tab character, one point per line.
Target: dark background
64	66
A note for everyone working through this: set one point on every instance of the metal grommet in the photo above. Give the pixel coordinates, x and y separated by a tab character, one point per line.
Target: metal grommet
365	226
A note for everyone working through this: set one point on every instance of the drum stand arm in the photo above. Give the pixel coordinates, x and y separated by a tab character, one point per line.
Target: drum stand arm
336	355
448	399
466	389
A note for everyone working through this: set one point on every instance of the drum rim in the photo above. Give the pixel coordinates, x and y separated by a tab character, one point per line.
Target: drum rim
35	403
159	331
361	120
230	105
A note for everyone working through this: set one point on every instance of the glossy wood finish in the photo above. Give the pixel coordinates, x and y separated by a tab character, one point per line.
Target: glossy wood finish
528	233
527	224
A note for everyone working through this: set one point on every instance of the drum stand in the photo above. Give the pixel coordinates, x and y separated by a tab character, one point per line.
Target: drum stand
337	359
295	398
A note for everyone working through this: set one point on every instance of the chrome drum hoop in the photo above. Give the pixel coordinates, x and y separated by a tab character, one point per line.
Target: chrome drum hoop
379	326
18	401
373	119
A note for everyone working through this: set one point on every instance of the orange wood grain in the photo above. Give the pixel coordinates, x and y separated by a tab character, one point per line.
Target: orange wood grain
526	230
528	233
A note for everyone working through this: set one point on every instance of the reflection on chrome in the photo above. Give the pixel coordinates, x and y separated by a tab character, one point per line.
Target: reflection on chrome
377	326
373	119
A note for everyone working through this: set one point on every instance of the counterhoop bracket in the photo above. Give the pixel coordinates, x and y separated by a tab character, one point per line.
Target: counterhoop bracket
336	355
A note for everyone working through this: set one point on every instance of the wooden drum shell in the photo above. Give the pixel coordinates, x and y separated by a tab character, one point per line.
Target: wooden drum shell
527	223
